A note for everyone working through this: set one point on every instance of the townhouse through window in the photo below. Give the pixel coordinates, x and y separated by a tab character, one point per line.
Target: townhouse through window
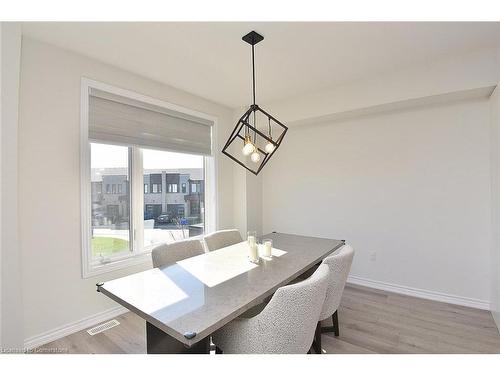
110	212
172	216
141	196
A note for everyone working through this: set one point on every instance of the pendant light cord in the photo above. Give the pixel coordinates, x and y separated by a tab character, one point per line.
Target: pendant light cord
253	73
253	87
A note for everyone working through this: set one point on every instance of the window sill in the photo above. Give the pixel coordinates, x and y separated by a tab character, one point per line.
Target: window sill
96	268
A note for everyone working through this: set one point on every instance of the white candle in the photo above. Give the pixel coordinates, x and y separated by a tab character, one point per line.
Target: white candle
268	245
254	254
251	240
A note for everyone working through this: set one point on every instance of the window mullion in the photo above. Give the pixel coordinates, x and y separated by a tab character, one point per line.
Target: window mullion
137	198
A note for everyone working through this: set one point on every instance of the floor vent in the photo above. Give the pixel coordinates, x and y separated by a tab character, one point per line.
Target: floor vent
103	327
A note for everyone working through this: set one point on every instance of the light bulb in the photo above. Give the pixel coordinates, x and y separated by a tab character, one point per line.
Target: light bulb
248	148
255	156
269	147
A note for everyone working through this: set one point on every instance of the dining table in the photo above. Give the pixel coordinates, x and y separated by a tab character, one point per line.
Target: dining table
185	302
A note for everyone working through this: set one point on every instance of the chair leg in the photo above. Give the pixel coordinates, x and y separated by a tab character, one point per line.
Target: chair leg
335	320
317	339
335	325
218	350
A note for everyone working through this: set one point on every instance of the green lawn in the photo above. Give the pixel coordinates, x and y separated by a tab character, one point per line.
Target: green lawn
108	245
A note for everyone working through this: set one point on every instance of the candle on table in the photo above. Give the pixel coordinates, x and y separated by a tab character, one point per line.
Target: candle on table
254	254
251	240
268	245
251	237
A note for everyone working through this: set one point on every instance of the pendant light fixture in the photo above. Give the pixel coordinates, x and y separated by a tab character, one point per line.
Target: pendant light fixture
247	145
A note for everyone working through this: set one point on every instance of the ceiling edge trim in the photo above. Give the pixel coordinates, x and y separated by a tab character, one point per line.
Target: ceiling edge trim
439	99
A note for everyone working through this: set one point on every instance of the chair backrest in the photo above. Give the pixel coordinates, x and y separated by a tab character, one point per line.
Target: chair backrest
289	320
222	238
339	264
167	254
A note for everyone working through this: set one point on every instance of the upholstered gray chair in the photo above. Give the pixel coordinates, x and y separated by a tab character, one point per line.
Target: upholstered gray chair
339	264
222	238
167	254
286	325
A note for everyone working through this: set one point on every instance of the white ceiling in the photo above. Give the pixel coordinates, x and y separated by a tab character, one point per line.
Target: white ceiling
211	60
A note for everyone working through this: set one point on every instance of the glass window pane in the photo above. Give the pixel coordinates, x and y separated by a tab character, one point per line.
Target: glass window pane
110	206
178	213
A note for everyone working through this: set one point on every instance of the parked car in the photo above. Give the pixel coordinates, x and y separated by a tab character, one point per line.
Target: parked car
148	216
163	219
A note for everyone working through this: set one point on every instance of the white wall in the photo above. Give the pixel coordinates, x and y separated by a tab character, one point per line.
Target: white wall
254	202
366	104
247	194
240	199
1	179
247	201
49	183
11	285
411	186
458	73
495	204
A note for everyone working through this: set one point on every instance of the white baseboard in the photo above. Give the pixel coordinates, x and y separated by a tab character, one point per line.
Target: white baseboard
420	293
68	329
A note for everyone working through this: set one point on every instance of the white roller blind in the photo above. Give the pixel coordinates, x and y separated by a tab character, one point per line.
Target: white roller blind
116	118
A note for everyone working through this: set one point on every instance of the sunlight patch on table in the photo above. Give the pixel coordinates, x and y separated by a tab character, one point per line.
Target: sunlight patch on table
222	265
147	290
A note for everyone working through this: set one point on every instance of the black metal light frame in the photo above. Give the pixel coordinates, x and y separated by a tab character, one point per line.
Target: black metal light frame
244	125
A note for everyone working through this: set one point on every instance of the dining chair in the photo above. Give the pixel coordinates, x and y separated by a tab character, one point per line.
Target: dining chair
339	264
167	254
286	325
222	238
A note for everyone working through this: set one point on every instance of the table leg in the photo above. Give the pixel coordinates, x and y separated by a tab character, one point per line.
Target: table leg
159	342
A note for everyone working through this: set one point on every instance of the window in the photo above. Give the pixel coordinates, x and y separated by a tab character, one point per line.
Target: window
111	217
123	164
193	188
173	223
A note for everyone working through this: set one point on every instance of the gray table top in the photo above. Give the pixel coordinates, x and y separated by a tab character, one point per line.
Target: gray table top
203	293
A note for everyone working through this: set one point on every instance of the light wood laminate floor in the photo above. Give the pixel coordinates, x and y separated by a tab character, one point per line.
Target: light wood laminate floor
371	321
